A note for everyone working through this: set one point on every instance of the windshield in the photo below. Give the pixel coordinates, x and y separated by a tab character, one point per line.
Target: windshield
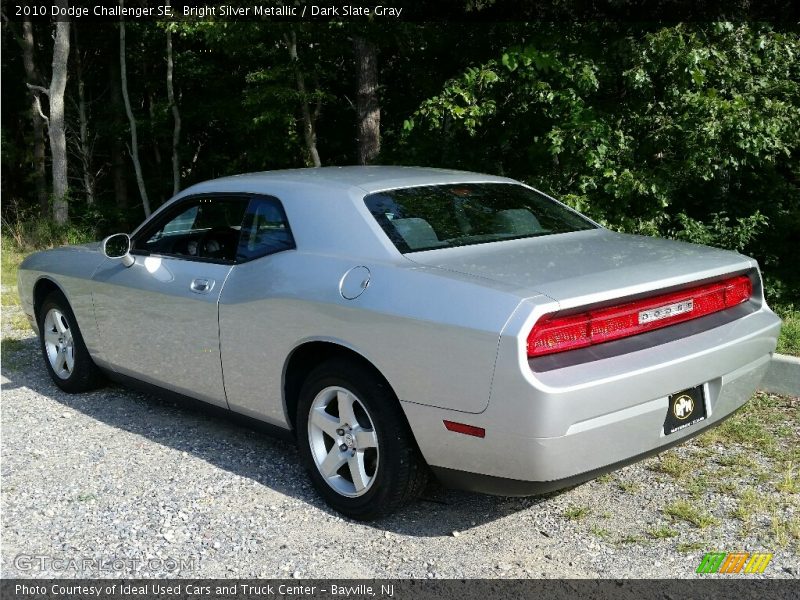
444	216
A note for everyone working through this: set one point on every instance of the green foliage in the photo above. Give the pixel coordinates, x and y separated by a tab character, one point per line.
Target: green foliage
789	342
690	131
719	233
22	236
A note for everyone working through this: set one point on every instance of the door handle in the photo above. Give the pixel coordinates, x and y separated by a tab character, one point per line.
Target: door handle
201	285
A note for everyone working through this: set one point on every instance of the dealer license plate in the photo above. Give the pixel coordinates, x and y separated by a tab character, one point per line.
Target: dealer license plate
685	409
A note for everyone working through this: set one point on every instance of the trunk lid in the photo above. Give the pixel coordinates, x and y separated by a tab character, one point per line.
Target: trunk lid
585	267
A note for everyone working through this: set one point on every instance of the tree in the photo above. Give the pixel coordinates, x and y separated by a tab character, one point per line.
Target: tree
309	117
176	116
368	109
134	147
37	117
84	143
58	138
55	121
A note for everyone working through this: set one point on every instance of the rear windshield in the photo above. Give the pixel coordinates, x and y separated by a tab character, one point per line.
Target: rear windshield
444	216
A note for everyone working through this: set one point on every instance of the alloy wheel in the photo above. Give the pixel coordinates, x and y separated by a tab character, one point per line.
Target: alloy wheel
343	441
58	343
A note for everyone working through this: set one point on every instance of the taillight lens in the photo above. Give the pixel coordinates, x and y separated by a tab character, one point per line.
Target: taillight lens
553	334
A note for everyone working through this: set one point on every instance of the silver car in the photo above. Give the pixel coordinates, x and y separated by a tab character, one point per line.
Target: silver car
409	322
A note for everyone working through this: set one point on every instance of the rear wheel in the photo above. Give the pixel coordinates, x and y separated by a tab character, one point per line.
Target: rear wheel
356	443
65	355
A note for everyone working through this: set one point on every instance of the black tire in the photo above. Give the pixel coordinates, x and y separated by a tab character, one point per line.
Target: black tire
401	474
84	375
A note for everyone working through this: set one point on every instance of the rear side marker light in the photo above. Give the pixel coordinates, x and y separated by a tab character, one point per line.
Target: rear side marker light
553	334
465	429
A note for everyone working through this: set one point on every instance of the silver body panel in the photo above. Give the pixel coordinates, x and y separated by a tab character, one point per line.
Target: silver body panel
170	332
447	328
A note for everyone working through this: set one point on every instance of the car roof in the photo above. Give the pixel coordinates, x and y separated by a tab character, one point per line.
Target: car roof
368	179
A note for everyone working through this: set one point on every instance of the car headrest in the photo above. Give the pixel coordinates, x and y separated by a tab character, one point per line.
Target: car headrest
416	232
519	221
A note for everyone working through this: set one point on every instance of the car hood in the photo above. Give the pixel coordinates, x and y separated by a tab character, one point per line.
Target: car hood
586	266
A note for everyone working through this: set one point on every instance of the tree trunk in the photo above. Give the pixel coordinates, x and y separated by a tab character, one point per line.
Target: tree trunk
368	108
151	111
58	138
134	149
176	116
32	75
118	172
84	145
309	118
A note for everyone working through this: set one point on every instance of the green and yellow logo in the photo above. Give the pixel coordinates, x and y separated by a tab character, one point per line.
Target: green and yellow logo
734	562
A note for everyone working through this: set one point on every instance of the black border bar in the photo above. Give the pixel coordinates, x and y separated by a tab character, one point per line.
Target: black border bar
388	11
741	587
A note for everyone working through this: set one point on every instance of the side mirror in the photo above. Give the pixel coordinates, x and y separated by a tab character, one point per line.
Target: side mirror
119	246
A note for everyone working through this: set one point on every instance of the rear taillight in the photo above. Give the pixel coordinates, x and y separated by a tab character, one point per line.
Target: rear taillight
553	333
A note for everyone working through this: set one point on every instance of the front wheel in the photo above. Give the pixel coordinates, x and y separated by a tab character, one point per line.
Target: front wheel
65	355
356	443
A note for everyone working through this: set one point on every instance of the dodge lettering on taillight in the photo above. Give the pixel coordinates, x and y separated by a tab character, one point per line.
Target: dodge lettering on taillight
664	312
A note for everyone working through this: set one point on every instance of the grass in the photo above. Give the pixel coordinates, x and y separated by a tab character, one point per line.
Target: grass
755	509
788	483
685	547
789	340
11	258
631	539
784	530
726	486
697	486
10	298
9	349
16	320
754	427
749	503
577	513
11	345
600	532
689	512
662	533
671	465
628	486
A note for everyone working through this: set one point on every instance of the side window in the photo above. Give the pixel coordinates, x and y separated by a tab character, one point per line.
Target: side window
265	230
203	228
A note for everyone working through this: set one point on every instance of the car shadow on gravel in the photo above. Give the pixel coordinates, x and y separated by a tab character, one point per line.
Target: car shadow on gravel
245	448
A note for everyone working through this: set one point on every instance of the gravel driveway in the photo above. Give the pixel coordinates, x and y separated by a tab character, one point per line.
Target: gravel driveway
171	490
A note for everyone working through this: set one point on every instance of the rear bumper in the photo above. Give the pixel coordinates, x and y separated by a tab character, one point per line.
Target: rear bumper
503	486
548	431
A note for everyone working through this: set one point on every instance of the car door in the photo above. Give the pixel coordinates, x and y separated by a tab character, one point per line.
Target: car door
158	318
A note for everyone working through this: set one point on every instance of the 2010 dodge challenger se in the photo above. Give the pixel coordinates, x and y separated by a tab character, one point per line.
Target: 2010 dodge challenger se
404	322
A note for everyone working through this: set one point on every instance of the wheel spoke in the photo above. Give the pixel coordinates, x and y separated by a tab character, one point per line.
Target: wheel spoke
346	414
69	355
357	471
327	423
51	337
333	462
58	320
366	438
60	361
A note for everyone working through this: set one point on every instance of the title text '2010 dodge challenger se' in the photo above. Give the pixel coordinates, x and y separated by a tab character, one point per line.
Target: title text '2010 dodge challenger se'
404	322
